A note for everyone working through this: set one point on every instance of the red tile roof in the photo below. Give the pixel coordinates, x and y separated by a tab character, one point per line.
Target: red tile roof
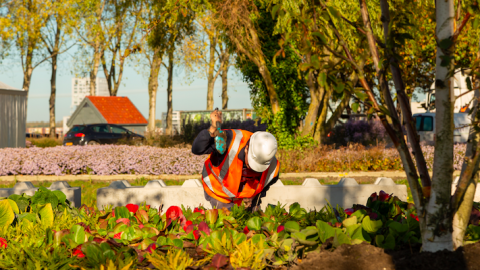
117	110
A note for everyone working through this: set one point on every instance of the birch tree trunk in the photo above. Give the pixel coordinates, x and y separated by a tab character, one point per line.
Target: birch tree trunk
225	84
168	129
97	53
462	201
211	73
152	89
437	234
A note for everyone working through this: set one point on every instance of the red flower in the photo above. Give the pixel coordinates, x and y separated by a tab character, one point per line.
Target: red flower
147	207
118	235
125	221
132	208
77	252
151	248
141	226
113	212
174	212
414	217
373	196
198	210
383	196
245	230
349	211
3	242
280	228
186	225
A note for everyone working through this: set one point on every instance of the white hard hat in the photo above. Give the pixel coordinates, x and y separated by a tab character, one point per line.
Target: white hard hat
262	148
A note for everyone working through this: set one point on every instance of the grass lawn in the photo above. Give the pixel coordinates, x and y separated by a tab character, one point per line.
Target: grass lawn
89	188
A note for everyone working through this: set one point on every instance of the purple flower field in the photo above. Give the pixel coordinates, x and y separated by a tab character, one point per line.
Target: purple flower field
123	159
101	160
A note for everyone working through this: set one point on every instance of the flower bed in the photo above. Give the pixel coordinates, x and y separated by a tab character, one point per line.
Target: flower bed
123	159
43	231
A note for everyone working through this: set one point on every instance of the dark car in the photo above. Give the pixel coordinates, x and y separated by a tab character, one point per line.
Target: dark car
100	134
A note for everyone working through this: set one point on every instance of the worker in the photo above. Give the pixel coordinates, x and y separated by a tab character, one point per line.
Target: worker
241	170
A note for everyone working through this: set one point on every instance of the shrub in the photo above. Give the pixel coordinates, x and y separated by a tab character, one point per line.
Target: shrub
44	142
364	132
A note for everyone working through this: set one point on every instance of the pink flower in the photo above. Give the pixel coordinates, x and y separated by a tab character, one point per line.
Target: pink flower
373	196
141	226
187	224
414	217
132	208
280	228
198	210
77	252
349	211
174	212
383	196
118	235
245	230
3	242
196	234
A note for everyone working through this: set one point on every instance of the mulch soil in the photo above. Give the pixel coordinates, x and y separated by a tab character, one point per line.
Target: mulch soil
368	257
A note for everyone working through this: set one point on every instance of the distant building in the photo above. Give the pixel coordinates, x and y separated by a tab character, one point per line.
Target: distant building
13	116
81	89
108	110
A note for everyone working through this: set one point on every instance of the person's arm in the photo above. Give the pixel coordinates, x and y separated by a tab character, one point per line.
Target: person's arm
204	143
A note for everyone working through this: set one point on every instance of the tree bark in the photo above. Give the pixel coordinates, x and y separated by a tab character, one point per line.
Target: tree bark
438	233
314	106
152	89
462	201
226	65
97	53
324	95
53	81
211	70
168	130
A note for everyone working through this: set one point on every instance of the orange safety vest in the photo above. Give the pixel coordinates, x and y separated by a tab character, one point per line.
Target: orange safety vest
222	182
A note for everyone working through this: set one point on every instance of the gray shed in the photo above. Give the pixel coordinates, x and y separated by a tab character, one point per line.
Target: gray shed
109	110
13	116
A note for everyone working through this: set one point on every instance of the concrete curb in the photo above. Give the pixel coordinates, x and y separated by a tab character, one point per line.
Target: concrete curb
310	195
84	177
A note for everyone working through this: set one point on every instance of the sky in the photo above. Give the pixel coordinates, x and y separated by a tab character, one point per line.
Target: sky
186	95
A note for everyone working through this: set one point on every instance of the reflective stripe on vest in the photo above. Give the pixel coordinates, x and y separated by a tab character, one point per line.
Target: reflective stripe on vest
206	179
271	171
230	157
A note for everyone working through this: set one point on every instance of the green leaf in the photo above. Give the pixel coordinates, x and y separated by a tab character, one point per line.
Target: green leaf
389	242
350	221
274	10
445	43
398	227
339	87
321	36
359	214
239	238
469	83
44	196
340	238
78	234
325	231
334	12
255	223
371	226
476	23
28	216
322	79
355	107
122	212
257	237
356	233
178	243
292	226
14	206
6	213
94	254
60	196
46	215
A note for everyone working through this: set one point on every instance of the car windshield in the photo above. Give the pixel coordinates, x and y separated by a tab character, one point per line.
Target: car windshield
77	129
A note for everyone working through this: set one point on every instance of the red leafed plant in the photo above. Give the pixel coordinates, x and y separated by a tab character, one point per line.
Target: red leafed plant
198	210
132	207
279	228
187	224
3	242
77	252
245	230
383	196
118	235
349	211
196	234
174	212
125	221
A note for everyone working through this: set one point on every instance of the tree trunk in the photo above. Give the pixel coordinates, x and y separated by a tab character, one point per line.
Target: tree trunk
93	74
312	114
322	116
152	89
225	81
168	130
462	201
53	81
438	232
211	70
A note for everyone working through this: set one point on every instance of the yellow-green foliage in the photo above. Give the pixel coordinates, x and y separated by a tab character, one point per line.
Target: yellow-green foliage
248	255
175	259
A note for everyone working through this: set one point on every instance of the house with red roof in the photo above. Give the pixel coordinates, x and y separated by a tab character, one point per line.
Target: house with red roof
109	110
